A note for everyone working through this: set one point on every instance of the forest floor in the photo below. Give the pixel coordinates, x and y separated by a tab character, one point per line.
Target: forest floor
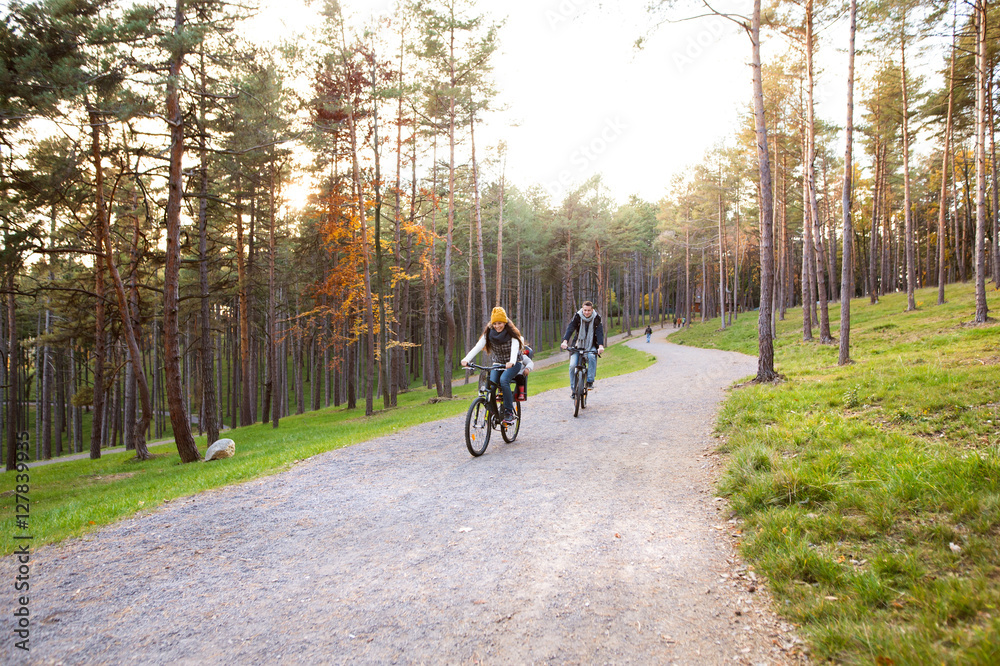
595	539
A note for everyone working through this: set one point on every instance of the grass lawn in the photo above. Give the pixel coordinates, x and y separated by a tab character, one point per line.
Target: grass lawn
70	498
870	493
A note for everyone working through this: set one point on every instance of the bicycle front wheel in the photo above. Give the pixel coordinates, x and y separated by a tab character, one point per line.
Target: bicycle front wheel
580	392
477	427
509	432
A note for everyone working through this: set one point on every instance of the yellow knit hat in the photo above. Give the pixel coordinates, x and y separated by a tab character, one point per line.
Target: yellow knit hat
499	314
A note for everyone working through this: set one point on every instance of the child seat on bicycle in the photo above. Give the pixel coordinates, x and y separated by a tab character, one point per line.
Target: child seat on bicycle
521	381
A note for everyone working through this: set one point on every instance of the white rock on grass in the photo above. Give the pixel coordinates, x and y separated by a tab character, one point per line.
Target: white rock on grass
223	448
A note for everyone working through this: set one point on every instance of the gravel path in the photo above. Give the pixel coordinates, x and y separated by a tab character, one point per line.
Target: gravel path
589	540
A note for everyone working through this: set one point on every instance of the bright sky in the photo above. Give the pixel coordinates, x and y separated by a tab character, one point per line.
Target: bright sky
587	101
580	99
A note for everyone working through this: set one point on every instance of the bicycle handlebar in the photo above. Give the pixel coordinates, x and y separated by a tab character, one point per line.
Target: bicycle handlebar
495	366
573	350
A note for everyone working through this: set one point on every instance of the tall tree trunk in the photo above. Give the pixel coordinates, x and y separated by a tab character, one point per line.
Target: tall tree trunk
157	386
469	319
960	253
246	392
97	423
479	223
13	397
847	267
687	275
704	288
831	242
40	453
996	192
273	385
449	286
75	413
401	310
722	256
786	238
981	220
943	200
5	401
298	359
383	356
360	204
569	302
171	273
432	305
207	352
59	416
257	345
499	280
736	258
765	358
873	251
911	268
132	433
808	255
810	174
43	410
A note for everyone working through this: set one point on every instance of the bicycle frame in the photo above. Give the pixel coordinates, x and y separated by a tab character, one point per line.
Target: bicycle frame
583	363
484	416
489	391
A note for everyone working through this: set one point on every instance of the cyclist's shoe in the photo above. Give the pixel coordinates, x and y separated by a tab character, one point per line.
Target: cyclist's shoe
590	385
572	394
508	418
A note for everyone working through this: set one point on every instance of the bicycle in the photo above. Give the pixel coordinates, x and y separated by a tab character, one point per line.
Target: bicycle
484	414
580	389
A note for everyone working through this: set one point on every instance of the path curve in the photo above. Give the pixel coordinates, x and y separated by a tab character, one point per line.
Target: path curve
589	540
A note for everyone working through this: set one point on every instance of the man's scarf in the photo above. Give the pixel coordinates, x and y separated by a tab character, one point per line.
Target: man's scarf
586	332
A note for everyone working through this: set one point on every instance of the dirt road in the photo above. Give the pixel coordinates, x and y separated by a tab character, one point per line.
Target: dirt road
589	540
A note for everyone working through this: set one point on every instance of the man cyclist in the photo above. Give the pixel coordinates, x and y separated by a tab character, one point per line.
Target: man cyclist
587	331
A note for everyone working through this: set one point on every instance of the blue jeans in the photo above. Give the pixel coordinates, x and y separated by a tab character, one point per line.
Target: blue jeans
647	336
504	379
591	367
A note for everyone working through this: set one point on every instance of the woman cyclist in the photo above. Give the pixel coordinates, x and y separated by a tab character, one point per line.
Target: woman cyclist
503	342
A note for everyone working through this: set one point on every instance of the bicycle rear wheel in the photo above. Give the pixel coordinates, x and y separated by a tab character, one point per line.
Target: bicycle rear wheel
477	427
509	432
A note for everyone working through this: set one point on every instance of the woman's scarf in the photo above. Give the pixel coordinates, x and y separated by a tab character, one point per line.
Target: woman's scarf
499	338
500	344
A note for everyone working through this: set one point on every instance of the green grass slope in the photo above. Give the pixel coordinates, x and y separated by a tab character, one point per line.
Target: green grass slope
870	493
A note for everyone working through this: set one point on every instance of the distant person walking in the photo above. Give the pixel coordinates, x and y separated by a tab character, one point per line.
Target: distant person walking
649	333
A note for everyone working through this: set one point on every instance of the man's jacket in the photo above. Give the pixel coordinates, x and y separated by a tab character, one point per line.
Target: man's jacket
574	327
